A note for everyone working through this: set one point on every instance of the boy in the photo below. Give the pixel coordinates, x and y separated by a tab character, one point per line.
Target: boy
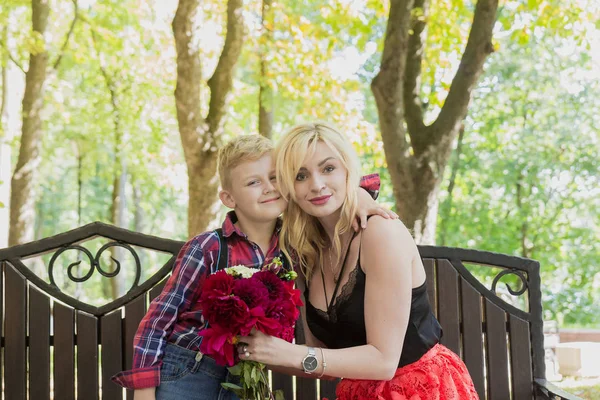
167	363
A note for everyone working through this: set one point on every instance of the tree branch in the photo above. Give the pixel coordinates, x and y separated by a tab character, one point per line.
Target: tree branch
222	80
69	33
413	106
10	56
387	86
479	46
189	79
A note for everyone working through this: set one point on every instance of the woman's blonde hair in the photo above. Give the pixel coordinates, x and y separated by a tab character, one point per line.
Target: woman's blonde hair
302	233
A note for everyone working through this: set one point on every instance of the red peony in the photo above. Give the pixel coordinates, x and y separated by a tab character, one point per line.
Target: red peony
236	301
217	285
228	311
251	291
219	342
284	312
274	285
294	293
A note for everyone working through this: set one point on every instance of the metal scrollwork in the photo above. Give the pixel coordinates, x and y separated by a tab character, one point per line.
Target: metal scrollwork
94	263
519	274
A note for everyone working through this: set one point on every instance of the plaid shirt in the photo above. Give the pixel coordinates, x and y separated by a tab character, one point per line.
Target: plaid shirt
175	316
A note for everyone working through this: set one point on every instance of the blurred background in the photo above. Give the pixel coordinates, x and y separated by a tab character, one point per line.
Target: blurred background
481	119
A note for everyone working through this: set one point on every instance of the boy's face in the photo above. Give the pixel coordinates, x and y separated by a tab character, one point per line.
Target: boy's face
253	192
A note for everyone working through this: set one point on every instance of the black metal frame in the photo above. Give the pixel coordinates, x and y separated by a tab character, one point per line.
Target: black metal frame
69	240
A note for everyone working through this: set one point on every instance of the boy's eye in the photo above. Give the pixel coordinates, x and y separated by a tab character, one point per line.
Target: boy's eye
252	183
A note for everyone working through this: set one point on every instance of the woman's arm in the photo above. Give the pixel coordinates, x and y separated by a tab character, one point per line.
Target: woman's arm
387	255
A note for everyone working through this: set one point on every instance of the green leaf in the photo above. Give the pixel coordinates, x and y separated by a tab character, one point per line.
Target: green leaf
236	370
230	386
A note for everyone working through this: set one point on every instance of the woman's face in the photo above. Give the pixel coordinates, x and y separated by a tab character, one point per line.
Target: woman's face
321	183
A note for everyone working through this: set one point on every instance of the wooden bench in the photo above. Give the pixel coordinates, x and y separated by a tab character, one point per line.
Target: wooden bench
55	346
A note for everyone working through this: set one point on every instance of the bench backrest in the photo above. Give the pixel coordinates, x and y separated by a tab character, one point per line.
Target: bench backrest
55	346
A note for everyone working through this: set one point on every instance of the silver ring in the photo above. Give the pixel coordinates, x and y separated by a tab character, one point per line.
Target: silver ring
245	349
247	353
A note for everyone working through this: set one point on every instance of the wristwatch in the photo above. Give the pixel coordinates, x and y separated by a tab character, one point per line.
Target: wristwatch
310	363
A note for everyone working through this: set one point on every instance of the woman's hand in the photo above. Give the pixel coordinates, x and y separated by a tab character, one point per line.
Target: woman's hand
263	348
367	207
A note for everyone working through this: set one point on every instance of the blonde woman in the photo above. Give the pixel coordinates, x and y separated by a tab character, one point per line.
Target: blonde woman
367	315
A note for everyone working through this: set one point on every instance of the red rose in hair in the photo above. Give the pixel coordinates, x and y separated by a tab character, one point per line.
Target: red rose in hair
228	311
219	284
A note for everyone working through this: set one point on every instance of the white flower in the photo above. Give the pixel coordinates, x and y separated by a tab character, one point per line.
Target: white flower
241	270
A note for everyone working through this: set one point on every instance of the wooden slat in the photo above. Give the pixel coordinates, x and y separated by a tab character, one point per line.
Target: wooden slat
111	339
520	359
134	312
473	335
15	371
87	356
155	291
306	389
448	305
64	352
496	350
284	383
39	345
327	389
429	265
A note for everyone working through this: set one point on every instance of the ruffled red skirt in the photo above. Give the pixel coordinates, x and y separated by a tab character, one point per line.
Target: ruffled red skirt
439	375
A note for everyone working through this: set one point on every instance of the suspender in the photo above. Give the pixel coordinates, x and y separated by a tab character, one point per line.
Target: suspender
223	259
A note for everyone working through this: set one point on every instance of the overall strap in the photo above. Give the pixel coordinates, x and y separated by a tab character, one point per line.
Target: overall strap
223	251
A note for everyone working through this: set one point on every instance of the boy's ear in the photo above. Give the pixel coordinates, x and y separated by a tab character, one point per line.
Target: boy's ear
227	199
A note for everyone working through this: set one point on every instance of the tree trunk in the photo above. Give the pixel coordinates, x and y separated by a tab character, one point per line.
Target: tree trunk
5	150
22	197
200	136
447	209
418	154
265	96
118	218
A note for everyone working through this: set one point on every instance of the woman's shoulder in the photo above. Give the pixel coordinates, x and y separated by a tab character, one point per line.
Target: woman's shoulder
382	233
378	226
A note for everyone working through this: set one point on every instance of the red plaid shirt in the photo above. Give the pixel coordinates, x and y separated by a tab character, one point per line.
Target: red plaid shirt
175	316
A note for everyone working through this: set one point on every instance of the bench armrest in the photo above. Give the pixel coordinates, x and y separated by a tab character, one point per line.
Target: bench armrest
547	390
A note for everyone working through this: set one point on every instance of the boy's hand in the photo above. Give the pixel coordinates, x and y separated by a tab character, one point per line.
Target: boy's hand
144	394
366	207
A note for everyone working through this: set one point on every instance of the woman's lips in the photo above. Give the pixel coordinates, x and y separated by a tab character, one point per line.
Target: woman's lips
320	200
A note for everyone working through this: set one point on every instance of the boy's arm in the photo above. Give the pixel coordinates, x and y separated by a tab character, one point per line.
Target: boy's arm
180	291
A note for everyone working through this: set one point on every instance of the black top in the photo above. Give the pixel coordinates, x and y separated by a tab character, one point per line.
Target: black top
344	324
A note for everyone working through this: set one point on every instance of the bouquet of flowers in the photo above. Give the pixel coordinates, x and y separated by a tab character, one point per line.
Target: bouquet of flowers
238	299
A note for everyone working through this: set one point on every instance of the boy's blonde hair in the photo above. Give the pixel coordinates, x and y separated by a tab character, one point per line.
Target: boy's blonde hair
301	231
238	150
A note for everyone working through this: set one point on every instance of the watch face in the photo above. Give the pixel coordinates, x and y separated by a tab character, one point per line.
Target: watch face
310	363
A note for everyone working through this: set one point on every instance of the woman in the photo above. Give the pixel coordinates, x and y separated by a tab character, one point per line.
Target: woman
367	316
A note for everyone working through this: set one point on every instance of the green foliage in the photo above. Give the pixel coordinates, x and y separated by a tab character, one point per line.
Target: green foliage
254	383
527	180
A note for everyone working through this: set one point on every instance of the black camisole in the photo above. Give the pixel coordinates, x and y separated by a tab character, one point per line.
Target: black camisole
344	324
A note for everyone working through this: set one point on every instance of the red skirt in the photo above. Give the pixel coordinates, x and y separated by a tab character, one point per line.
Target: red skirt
439	375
